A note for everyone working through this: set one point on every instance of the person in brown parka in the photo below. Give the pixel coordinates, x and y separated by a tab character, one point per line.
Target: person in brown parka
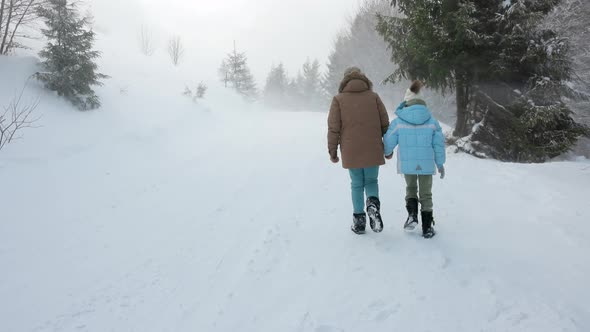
357	122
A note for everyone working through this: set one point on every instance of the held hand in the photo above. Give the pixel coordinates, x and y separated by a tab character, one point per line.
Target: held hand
441	170
389	157
335	160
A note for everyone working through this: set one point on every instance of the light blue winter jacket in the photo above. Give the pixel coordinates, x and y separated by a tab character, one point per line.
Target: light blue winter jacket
420	139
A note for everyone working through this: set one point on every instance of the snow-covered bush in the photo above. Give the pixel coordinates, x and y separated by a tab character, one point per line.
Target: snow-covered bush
198	93
201	91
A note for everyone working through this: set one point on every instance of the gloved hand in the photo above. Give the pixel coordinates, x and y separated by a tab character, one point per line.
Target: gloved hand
335	160
441	170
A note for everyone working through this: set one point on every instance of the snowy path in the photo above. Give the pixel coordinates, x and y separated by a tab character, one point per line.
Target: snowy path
239	223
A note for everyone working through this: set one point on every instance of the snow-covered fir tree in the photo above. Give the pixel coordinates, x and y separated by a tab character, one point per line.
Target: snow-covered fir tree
508	73
360	45
571	19
293	94
275	90
310	85
235	73
69	66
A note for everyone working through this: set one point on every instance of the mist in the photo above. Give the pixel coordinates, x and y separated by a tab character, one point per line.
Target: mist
268	31
154	180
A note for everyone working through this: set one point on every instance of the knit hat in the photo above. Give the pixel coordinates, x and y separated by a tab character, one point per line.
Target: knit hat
413	91
351	70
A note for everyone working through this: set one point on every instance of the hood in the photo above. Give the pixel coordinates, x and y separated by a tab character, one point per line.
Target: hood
355	82
416	114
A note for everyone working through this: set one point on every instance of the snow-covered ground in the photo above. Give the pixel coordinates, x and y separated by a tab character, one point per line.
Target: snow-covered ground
191	220
156	214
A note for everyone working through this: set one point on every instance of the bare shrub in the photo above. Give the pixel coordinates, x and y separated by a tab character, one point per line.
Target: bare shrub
175	49
147	44
17	115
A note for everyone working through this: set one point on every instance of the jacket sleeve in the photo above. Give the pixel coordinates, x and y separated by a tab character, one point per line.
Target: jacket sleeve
383	115
438	143
391	138
334	128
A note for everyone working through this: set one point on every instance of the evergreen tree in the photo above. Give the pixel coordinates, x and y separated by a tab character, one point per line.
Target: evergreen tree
69	59
294	95
338	61
508	74
360	45
234	73
572	20
310	84
275	91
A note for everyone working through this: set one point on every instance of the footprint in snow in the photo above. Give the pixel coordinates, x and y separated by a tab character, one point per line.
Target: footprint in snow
328	328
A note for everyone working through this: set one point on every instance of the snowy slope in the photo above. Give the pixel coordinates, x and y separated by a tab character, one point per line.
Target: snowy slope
138	218
158	214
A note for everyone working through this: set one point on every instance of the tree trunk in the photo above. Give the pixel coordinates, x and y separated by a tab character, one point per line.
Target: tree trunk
1	15
462	95
10	11
20	21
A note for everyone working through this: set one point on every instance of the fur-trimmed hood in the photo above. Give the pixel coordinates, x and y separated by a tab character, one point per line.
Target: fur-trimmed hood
364	83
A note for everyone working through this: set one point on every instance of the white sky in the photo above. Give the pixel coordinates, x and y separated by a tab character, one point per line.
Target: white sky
269	31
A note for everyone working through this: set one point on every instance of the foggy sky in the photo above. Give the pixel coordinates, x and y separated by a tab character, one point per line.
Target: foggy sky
269	31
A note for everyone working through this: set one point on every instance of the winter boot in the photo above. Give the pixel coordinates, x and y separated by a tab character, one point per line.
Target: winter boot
359	222
412	221
427	223
374	211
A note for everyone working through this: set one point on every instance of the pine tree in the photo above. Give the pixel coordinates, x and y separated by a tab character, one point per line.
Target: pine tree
294	95
310	84
507	72
69	58
275	91
361	46
572	20
234	73
338	61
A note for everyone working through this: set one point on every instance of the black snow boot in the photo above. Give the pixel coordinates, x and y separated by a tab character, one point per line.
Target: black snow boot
412	221
359	222
374	211
427	223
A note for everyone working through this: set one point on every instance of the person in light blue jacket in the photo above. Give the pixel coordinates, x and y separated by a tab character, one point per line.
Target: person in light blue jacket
421	152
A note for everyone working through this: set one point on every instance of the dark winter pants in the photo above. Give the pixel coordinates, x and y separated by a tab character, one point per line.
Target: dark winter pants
420	188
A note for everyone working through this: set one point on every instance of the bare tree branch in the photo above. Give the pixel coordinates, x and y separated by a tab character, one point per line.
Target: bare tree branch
14	14
24	15
17	116
10	12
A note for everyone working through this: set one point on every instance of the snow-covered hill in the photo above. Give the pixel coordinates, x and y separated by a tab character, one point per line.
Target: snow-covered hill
158	214
186	220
